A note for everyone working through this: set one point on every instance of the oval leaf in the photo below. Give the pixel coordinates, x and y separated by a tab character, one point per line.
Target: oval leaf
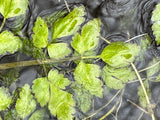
25	105
118	54
41	90
88	40
9	43
87	75
69	24
58	50
12	8
40	36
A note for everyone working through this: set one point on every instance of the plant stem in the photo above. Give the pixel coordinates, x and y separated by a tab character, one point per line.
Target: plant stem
144	90
2	25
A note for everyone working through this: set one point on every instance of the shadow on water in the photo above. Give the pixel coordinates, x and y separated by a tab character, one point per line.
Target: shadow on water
121	20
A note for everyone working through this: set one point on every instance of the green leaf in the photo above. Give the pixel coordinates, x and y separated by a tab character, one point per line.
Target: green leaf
87	75
9	43
156	13
154	70
117	78
12	8
61	104
58	79
58	50
142	97
25	105
82	97
41	90
40	36
70	24
38	115
5	98
88	40
118	54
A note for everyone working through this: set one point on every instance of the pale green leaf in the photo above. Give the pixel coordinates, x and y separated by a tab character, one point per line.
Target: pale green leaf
58	79
142	97
9	43
61	104
117	78
87	75
70	24
156	31
5	98
88	40
58	50
38	115
41	90
12	8
40	36
25	105
156	13
119	54
154	70
82	97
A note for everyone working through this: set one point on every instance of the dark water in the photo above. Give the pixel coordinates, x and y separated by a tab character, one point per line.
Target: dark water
121	19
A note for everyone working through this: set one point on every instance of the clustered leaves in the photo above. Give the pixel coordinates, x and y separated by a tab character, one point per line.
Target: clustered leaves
50	91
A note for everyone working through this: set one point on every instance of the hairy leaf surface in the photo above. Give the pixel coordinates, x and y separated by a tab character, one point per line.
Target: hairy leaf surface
118	54
117	78
61	104
87	75
12	8
40	36
58	50
41	90
9	43
69	24
88	40
25	105
5	98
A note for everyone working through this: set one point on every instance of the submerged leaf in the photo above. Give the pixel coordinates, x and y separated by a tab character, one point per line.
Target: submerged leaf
61	104
12	8
58	50
9	43
41	90
58	79
117	78
82	96
38	115
69	24
40	36
25	105
87	75
5	98
119	54
142	97
88	40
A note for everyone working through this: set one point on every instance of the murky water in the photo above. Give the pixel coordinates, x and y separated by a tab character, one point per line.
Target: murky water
121	20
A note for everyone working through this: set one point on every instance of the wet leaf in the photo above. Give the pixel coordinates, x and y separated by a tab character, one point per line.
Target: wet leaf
40	36
87	75
41	90
12	8
88	40
58	50
61	104
69	24
118	54
25	105
5	98
58	79
9	43
38	115
82	97
142	97
117	78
